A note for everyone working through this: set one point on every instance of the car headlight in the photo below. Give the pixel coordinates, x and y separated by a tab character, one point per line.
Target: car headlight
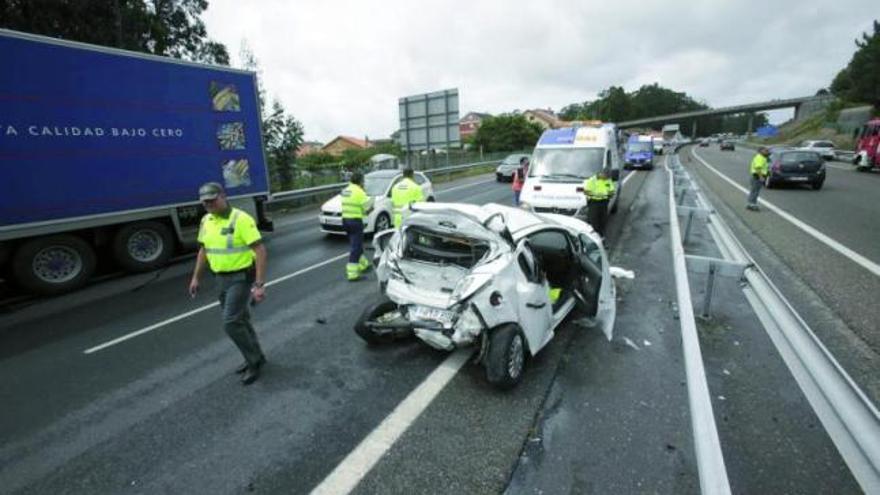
526	206
469	285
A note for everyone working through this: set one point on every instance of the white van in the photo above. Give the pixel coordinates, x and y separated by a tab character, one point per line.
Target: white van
563	160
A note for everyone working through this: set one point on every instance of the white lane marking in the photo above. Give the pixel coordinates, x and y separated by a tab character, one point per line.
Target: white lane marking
630	174
840	167
840	248
361	460
200	309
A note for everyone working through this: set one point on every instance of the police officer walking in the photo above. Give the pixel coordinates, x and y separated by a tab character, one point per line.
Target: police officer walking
403	194
231	245
355	206
759	171
599	190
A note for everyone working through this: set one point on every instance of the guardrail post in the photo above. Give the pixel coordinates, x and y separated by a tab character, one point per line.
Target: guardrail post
687	228
710	286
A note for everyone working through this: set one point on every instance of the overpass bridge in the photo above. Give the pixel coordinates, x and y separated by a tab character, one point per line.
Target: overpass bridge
799	104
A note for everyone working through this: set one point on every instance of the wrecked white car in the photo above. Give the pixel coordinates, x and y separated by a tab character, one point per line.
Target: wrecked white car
493	276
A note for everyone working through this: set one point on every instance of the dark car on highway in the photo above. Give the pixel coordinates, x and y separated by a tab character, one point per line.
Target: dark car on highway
796	167
504	172
727	145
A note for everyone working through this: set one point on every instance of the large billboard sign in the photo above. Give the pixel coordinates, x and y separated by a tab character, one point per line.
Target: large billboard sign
429	121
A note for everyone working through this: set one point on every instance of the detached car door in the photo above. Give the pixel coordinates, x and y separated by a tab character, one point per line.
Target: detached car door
598	296
533	293
425	183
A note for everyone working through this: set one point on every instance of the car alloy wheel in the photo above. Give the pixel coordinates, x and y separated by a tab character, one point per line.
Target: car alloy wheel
515	357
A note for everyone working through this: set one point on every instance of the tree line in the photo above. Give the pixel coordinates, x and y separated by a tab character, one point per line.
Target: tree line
859	81
171	28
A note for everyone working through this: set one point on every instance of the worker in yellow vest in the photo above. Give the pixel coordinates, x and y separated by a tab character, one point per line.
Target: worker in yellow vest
759	170
403	194
356	205
599	190
230	244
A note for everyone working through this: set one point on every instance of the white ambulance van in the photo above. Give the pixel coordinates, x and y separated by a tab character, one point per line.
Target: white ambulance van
563	159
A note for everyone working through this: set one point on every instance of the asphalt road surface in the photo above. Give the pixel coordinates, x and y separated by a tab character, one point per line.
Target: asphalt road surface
162	411
830	290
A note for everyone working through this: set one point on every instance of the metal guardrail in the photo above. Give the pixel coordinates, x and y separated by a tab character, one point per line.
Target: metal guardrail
844	156
707	446
314	191
849	417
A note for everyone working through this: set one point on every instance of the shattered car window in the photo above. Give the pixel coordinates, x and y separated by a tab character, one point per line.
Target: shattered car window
433	247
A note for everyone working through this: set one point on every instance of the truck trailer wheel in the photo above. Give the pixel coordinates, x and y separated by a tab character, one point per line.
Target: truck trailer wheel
53	264
143	246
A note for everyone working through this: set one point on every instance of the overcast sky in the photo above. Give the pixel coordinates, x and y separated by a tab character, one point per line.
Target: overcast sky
340	66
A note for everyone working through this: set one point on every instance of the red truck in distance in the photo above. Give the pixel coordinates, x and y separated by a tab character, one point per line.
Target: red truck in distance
867	151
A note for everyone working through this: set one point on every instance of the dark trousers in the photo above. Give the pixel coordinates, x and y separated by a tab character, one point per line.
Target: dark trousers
235	292
597	214
354	229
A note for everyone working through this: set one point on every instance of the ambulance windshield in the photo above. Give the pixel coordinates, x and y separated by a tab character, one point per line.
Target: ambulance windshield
567	164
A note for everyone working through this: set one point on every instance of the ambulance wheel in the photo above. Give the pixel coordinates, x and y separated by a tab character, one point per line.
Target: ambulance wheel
143	246
614	208
53	264
506	357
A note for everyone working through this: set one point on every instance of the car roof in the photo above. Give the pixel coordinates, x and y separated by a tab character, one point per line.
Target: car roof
380	174
519	221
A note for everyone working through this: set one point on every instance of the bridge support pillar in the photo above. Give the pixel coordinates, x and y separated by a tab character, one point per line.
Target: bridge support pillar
751	124
694	130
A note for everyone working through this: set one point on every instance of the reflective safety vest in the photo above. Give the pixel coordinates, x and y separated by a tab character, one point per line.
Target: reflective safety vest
354	202
403	194
598	189
759	166
227	241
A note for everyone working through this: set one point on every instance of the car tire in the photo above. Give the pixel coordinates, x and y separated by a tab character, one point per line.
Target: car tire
53	264
505	360
143	246
613	209
498	178
383	222
431	199
818	185
371	312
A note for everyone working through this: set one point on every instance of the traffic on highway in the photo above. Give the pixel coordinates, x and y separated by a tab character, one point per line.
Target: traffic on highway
637	293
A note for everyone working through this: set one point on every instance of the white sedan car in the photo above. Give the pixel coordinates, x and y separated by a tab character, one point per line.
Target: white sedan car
495	277
824	148
378	186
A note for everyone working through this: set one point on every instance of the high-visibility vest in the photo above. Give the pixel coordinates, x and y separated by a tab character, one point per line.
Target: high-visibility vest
354	202
759	166
227	241
403	194
598	189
